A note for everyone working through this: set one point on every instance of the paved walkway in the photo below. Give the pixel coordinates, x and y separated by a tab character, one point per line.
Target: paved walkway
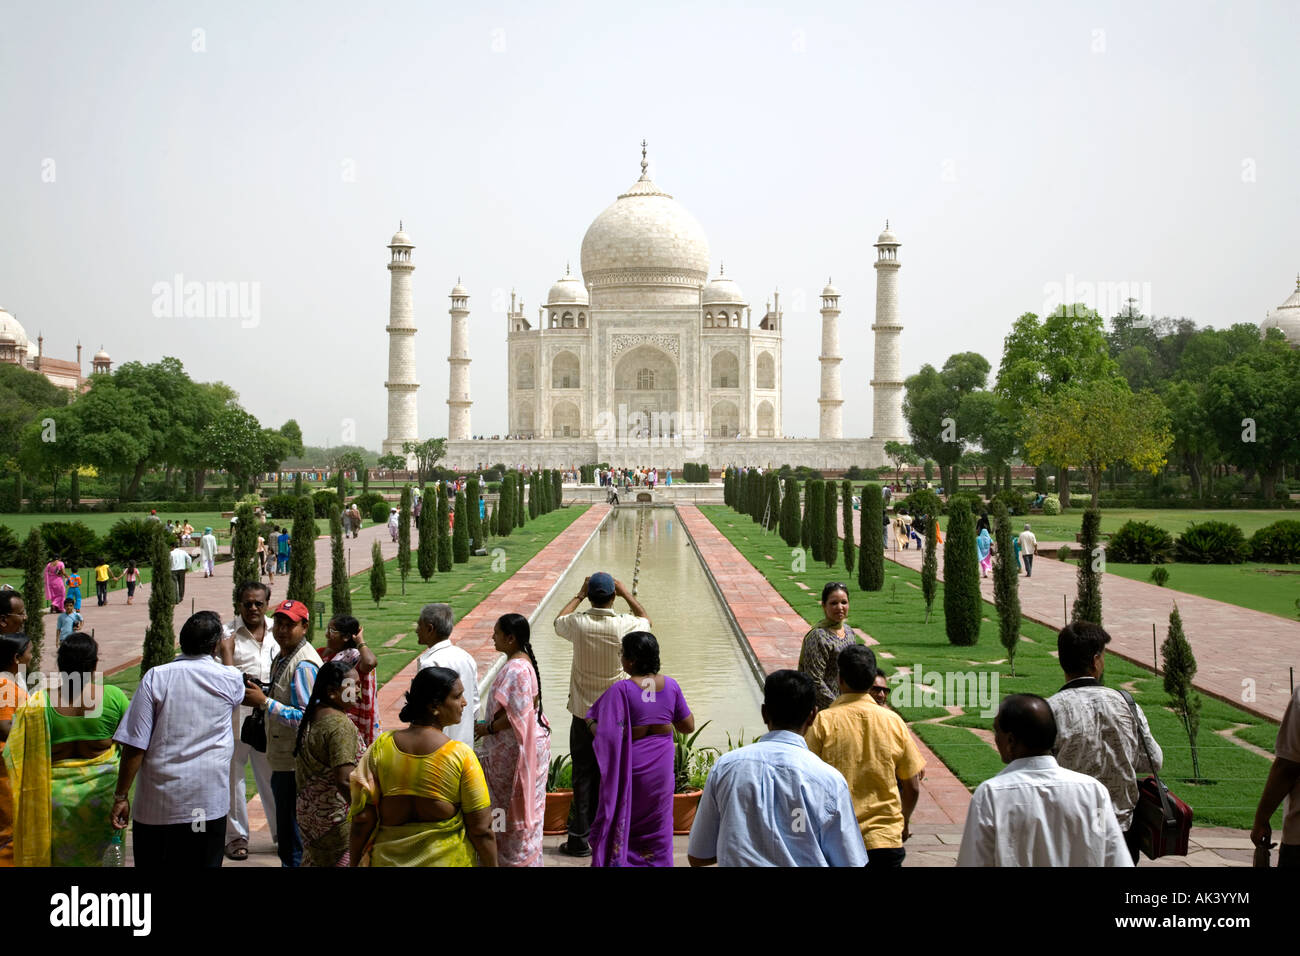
120	628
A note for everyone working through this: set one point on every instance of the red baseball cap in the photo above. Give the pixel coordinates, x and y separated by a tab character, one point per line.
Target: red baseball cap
296	610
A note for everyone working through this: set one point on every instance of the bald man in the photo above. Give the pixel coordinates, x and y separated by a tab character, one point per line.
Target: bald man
1035	812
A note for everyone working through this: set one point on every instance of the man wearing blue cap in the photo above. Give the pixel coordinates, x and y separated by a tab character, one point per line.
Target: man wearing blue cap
597	638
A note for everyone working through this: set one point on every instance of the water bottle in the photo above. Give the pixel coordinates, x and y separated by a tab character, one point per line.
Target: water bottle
115	855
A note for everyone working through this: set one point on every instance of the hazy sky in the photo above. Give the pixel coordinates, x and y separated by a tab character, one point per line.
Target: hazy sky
1018	150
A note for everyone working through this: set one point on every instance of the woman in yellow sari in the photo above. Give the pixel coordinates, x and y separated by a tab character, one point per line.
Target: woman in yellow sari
419	798
15	655
63	764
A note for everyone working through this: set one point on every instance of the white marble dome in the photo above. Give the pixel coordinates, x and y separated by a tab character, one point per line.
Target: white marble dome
568	290
1286	317
723	291
400	238
645	236
830	290
101	356
11	326
887	238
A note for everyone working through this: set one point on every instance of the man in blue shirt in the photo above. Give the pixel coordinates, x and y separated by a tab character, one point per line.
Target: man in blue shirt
774	803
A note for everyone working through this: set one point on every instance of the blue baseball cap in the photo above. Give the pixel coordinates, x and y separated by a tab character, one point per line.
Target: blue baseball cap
600	587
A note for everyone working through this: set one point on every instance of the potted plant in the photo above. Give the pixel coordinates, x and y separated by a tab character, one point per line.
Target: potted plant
691	766
559	796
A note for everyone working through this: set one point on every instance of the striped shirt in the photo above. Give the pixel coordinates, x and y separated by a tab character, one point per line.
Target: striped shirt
597	638
180	717
304	678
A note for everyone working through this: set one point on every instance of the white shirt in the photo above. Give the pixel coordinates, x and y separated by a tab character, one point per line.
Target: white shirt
596	634
180	717
251	656
446	654
1036	813
180	559
1028	543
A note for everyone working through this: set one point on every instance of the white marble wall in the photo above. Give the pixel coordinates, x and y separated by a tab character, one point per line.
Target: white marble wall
560	453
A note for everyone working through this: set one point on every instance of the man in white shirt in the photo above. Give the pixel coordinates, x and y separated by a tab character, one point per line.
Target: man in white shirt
176	736
180	559
1028	548
597	637
248	645
1036	813
433	630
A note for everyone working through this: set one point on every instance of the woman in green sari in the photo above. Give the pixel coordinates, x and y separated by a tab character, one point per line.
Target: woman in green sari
63	764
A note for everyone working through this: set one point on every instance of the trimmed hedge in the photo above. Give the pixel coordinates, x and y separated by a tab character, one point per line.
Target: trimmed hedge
1140	542
1052	505
1278	543
1212	542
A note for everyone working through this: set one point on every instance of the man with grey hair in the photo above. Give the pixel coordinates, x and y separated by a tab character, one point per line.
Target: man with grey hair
433	631
1028	548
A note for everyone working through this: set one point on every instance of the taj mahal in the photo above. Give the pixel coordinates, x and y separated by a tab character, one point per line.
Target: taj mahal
645	359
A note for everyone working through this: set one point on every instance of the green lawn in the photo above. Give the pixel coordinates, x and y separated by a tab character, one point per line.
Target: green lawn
101	521
895	617
1174	520
1273	588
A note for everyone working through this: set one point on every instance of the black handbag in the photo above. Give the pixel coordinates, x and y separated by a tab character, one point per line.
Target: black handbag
1163	821
253	730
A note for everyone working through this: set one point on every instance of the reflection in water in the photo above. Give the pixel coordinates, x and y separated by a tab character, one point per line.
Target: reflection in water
697	645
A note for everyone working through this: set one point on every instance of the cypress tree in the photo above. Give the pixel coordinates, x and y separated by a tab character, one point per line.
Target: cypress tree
1006	477
756	495
505	506
302	558
534	502
404	536
1180	668
426	554
341	483
1006	584
871	563
340	595
521	504
34	602
557	490
988	483
816	505
846	492
243	551
805	523
471	505
930	564
297	483
378	575
1040	480
794	529
460	536
160	638
491	523
961	578
1087	606
365	479
830	524
444	531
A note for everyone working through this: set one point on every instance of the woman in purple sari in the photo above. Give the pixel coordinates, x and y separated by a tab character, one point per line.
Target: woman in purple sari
632	728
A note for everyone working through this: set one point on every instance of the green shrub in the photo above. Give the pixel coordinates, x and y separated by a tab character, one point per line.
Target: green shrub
379	512
1140	542
1087	605
1052	505
323	501
72	541
871	556
962	603
281	506
1212	542
974	502
1278	543
1063	553
923	501
9	547
1013	500
1159	576
366	502
128	538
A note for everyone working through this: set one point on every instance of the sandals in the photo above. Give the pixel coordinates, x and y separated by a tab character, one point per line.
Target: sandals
237	849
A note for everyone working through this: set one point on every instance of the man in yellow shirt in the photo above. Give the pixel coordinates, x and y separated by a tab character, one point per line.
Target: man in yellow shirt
102	574
872	747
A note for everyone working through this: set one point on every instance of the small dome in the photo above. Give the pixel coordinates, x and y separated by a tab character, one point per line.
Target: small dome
1286	317
568	290
400	238
101	356
829	290
10	325
887	238
459	291
723	290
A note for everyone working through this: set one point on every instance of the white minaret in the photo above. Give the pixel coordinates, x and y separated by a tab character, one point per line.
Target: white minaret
832	398
402	384
458	402
887	384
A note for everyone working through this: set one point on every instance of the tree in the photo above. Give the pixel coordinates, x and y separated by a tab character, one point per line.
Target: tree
393	463
521	504
805	523
930	564
505	506
471	504
771	500
1180	668
34	558
427	454
340	595
460	537
846	493
302	557
871	567
292	434
933	407
378	574
726	488
444	530
557	489
1254	406
427	552
404	536
160	638
1195	444
900	454
961	578
1006	583
816	505
1094	427
830	524
298	489
534	499
790	523
1087	605
243	552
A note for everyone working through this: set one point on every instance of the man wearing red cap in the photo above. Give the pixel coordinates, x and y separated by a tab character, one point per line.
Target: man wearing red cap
293	674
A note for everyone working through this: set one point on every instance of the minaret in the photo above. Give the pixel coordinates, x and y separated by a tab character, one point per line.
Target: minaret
832	398
401	384
458	401
887	384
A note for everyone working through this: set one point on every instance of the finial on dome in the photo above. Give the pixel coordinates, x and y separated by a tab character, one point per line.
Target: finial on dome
1297	281
566	269
828	281
400	227
457	280
886	225
644	163
722	269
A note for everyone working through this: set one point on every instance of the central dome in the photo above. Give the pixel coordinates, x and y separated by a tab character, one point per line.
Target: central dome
645	237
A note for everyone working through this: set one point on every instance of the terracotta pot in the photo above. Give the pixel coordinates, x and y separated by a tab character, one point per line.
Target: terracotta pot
684	807
556	819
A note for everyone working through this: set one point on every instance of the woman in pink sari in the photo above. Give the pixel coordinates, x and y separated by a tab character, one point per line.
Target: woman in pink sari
517	745
632	729
55	586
